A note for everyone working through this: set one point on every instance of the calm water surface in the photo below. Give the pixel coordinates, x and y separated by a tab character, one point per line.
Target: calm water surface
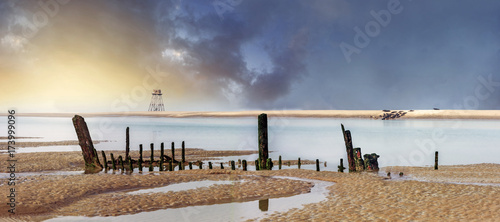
398	142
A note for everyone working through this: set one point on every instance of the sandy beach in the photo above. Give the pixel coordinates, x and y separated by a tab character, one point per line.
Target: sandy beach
354	196
373	114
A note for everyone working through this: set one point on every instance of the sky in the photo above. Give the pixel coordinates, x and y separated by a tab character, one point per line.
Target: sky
225	55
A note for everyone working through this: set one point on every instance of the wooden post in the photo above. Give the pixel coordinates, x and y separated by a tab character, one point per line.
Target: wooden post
190	165
257	165
127	144
162	149
183	152
209	165
113	162
173	151
341	166
263	146
264	205
436	160
233	165
104	159
221	166
181	165
200	164
269	164
152	157
244	163
317	165
140	152
139	165
131	167
298	163
349	149
358	160
279	163
171	165
88	151
120	160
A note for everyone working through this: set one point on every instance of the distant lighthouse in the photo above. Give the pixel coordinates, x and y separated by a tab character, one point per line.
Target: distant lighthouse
156	101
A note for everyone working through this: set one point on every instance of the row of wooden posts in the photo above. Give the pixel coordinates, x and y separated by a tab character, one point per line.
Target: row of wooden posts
354	157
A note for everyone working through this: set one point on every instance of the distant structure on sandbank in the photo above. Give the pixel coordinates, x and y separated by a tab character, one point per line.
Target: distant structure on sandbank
156	101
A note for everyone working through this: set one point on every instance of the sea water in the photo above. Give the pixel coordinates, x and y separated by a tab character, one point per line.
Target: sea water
398	142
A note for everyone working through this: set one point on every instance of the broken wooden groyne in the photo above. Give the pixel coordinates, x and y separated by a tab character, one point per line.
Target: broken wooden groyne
355	161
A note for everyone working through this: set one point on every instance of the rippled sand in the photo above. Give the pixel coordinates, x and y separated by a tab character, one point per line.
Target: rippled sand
355	196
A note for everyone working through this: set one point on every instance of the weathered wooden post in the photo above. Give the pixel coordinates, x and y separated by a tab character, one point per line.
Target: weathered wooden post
88	151
341	166
264	205
171	165
120	160
221	166
152	157
349	149
190	165
257	165
279	163
131	167
209	165
104	159
263	146
358	160
127	143
139	165
298	163
233	165
200	164
162	149
269	164
317	165
436	160
173	151
183	152
113	162
181	165
244	163
140	152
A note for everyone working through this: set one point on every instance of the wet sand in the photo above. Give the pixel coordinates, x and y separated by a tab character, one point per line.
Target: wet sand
354	196
373	114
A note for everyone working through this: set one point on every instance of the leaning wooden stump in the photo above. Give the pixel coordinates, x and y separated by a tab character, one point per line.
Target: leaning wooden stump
88	151
263	145
349	149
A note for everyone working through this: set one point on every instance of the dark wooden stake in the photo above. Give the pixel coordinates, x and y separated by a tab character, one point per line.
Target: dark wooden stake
173	151
162	149
200	164
349	149
233	165
183	152
221	166
152	157
127	144
113	161
88	151
341	166
257	165
317	164
279	163
140	153
209	165
190	165
263	146
131	167
171	165
298	163
120	160
244	163
436	160
269	164
104	159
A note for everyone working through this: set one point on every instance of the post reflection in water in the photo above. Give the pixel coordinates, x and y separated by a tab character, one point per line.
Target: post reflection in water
264	205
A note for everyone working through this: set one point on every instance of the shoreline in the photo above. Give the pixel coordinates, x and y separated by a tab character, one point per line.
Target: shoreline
363	114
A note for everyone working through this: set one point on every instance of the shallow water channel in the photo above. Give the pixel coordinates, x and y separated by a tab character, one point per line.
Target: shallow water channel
236	211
